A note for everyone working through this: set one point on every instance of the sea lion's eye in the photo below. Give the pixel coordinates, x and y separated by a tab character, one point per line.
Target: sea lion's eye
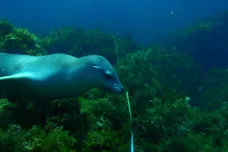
108	75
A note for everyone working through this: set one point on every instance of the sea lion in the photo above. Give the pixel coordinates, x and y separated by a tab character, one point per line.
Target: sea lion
55	76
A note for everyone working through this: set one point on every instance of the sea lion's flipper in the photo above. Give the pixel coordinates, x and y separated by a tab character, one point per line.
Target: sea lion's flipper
14	86
24	75
19	87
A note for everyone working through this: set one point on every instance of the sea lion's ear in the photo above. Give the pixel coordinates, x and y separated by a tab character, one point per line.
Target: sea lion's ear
96	67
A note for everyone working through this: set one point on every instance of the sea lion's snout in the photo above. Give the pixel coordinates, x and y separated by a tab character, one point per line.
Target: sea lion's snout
122	89
118	88
112	82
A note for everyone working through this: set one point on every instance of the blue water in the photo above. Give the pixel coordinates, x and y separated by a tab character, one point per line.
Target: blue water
146	20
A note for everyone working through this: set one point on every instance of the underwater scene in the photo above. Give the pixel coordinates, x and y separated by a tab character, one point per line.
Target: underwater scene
86	88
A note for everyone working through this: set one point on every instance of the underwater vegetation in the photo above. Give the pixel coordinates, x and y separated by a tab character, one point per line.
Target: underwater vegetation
206	41
18	40
177	104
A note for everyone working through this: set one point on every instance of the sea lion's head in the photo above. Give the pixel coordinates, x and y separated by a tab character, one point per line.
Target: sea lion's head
104	74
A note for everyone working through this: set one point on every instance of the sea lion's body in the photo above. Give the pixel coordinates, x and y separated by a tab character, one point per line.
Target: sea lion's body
54	76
